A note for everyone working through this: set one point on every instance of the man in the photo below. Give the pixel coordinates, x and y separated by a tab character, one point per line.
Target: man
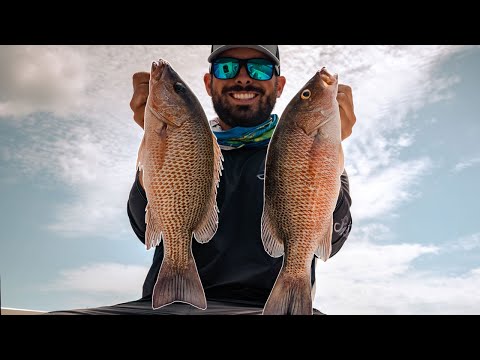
236	272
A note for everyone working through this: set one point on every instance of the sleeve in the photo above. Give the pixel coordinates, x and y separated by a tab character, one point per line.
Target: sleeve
136	204
342	218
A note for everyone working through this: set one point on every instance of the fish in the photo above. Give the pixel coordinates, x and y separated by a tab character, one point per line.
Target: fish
303	166
181	164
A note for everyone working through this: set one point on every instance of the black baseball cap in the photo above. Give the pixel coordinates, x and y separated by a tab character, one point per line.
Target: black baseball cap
270	50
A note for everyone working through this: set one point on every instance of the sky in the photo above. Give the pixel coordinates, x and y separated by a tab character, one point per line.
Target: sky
68	146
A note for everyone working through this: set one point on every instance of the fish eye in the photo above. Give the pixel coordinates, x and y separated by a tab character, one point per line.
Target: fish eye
306	94
179	88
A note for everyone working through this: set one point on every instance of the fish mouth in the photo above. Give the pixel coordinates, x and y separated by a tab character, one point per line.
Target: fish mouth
243	97
157	69
326	78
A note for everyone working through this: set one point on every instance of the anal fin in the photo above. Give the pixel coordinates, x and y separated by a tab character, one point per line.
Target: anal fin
153	234
324	245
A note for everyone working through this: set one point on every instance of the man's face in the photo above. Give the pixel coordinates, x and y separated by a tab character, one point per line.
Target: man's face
243	101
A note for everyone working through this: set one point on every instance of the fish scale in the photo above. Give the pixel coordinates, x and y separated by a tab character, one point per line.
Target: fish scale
181	164
302	182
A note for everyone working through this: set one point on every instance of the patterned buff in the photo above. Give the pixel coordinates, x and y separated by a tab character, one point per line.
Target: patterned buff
238	137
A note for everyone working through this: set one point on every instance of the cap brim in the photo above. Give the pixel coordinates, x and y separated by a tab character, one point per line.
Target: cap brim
260	48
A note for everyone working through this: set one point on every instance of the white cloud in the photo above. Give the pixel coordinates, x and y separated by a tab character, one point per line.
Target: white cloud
93	149
390	84
95	165
465	164
381	279
468	242
378	193
99	284
101	183
405	140
373	232
367	279
102	279
40	78
80	162
94	213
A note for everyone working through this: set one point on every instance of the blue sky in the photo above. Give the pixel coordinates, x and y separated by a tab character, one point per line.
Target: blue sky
68	146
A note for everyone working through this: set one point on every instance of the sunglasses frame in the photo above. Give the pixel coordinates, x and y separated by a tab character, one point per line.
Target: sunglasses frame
244	62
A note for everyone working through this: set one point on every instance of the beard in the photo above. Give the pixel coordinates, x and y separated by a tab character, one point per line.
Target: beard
243	115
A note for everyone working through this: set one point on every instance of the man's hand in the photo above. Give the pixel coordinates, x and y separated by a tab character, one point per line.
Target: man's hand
347	115
139	97
139	101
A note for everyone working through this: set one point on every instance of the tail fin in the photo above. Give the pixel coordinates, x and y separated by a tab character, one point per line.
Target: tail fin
290	296
178	284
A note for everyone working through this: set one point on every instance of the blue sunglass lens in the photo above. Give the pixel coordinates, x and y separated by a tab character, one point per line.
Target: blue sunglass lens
225	69
258	69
